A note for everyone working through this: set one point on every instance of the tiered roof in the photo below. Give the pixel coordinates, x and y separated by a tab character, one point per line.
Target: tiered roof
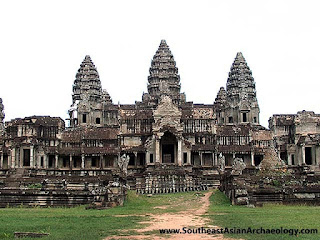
87	84
164	78
240	80
220	100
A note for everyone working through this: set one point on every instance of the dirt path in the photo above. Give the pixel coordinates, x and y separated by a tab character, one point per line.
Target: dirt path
191	218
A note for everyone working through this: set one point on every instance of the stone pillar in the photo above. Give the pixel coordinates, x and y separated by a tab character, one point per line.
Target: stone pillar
201	160
82	161
313	155
71	162
289	159
157	150
135	158
38	161
317	160
189	158
147	157
31	157
56	164
252	158
179	152
1	160
13	157
303	153
101	161
215	159
20	157
45	161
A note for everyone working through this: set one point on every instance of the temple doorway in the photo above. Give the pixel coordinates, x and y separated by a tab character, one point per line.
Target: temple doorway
168	146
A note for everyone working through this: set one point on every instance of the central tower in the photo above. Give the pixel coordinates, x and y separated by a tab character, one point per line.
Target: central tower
164	79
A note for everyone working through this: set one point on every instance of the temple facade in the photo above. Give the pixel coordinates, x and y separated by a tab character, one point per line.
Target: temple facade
164	129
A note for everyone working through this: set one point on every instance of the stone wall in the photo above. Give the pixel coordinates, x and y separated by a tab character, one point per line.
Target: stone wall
170	179
33	188
295	185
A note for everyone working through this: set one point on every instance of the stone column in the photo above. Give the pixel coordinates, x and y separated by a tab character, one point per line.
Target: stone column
1	160
38	161
45	161
157	150
252	158
101	159
289	159
20	154
215	159
189	158
71	162
313	155
31	156
82	161
201	160
147	157
13	157
303	153
56	161
135	158
179	152
317	160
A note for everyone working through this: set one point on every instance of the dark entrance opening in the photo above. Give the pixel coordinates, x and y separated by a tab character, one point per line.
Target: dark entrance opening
185	158
5	162
51	161
257	160
65	161
26	157
168	141
141	159
308	156
244	117
292	160
168	153
131	159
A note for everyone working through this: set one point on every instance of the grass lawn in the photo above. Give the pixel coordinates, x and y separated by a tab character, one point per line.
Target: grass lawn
78	223
268	216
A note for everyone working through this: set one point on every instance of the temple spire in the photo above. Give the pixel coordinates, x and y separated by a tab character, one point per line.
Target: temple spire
240	80
242	104
87	83
88	98
164	79
220	100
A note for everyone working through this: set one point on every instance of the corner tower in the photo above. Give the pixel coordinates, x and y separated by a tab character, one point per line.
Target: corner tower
241	103
164	79
88	97
219	105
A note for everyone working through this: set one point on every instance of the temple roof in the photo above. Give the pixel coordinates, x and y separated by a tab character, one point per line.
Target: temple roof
163	78
220	99
87	83
240	78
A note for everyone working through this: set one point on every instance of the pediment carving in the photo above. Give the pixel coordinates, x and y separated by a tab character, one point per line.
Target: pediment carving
167	115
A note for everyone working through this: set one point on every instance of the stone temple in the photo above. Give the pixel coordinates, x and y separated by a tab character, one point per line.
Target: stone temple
171	144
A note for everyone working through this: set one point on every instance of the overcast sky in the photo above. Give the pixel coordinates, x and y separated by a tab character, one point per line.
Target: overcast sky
43	43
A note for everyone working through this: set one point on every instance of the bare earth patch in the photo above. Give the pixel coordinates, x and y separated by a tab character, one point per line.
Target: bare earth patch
191	218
